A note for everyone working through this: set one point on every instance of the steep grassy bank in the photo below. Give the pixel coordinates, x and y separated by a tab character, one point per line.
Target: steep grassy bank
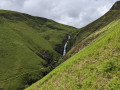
80	40
97	66
28	48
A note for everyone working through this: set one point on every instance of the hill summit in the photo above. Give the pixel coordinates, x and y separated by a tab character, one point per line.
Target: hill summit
116	6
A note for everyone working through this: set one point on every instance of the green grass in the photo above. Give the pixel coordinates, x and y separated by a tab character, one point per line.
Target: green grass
96	67
31	47
26	55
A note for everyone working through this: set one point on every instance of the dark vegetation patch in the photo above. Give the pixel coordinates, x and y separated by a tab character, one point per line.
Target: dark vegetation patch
59	47
109	66
43	30
116	6
53	27
47	37
31	78
12	17
79	86
36	23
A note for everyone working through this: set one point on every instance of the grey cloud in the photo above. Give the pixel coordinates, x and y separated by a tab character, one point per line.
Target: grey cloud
76	13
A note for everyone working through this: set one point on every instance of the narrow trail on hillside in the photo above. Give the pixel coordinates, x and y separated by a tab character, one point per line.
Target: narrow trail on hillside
65	46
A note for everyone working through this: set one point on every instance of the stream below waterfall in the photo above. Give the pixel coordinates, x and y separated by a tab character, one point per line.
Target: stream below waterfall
65	46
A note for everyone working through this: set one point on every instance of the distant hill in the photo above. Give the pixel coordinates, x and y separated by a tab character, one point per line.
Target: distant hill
93	63
30	47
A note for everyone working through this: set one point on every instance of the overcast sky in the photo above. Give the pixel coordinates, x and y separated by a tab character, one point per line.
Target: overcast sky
77	13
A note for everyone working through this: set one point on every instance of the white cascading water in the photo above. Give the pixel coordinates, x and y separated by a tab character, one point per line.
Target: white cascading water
65	46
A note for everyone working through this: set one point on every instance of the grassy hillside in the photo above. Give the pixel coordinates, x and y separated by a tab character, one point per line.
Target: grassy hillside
96	67
29	48
94	60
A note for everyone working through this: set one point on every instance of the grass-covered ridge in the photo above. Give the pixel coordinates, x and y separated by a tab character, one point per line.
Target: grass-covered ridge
29	48
80	38
96	67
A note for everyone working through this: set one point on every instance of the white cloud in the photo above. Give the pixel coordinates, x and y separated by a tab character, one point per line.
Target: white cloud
76	13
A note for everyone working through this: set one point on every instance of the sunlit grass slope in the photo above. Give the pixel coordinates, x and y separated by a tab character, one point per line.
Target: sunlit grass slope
29	47
96	67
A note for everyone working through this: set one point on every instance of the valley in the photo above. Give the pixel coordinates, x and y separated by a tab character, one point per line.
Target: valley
93	62
40	54
29	48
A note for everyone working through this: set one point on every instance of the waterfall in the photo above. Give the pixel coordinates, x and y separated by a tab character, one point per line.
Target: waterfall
65	46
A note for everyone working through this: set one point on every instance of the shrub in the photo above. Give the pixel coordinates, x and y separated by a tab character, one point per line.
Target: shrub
79	86
109	66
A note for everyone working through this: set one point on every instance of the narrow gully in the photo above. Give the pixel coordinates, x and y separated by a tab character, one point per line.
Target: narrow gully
65	46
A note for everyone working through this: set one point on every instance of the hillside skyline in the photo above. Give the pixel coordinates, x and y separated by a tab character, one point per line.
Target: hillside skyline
37	53
77	13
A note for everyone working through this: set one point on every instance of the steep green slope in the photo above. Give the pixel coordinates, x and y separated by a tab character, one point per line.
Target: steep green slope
95	61
96	67
79	37
29	48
